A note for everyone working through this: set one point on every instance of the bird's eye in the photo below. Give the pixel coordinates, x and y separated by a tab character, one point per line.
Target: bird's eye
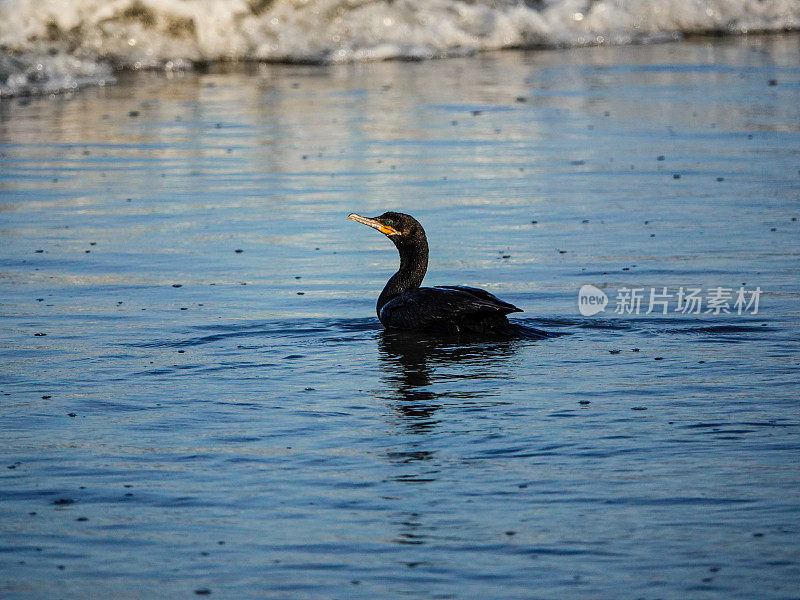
388	222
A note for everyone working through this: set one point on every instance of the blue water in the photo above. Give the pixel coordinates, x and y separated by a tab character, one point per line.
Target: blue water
254	433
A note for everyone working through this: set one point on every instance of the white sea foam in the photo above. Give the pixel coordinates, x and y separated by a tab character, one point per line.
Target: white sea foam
32	73
49	45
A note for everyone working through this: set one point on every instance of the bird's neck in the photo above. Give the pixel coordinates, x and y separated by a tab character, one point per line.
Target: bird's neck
413	264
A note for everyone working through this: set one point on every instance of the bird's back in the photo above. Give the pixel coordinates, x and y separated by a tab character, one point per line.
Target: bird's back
450	309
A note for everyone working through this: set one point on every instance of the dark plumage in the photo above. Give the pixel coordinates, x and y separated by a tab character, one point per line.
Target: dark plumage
403	304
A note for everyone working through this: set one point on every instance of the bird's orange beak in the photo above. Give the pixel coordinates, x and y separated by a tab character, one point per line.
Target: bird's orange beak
374	223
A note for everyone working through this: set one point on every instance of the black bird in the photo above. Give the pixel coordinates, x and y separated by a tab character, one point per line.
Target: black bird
450	309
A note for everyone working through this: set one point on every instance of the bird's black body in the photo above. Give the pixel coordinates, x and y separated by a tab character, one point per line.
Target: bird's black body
403	304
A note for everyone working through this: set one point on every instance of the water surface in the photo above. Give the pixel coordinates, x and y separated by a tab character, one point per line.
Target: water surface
197	394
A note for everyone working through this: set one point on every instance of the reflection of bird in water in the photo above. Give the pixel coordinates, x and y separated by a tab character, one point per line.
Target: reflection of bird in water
411	358
416	365
403	304
404	350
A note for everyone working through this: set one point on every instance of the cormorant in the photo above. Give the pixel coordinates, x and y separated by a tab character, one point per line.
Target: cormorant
451	309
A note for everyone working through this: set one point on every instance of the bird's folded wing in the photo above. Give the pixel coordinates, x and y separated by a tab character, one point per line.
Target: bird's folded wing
425	306
482	295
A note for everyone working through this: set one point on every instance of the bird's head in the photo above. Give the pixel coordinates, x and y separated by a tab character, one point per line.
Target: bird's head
398	227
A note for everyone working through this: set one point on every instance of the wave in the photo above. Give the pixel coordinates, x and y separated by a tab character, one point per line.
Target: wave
55	45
